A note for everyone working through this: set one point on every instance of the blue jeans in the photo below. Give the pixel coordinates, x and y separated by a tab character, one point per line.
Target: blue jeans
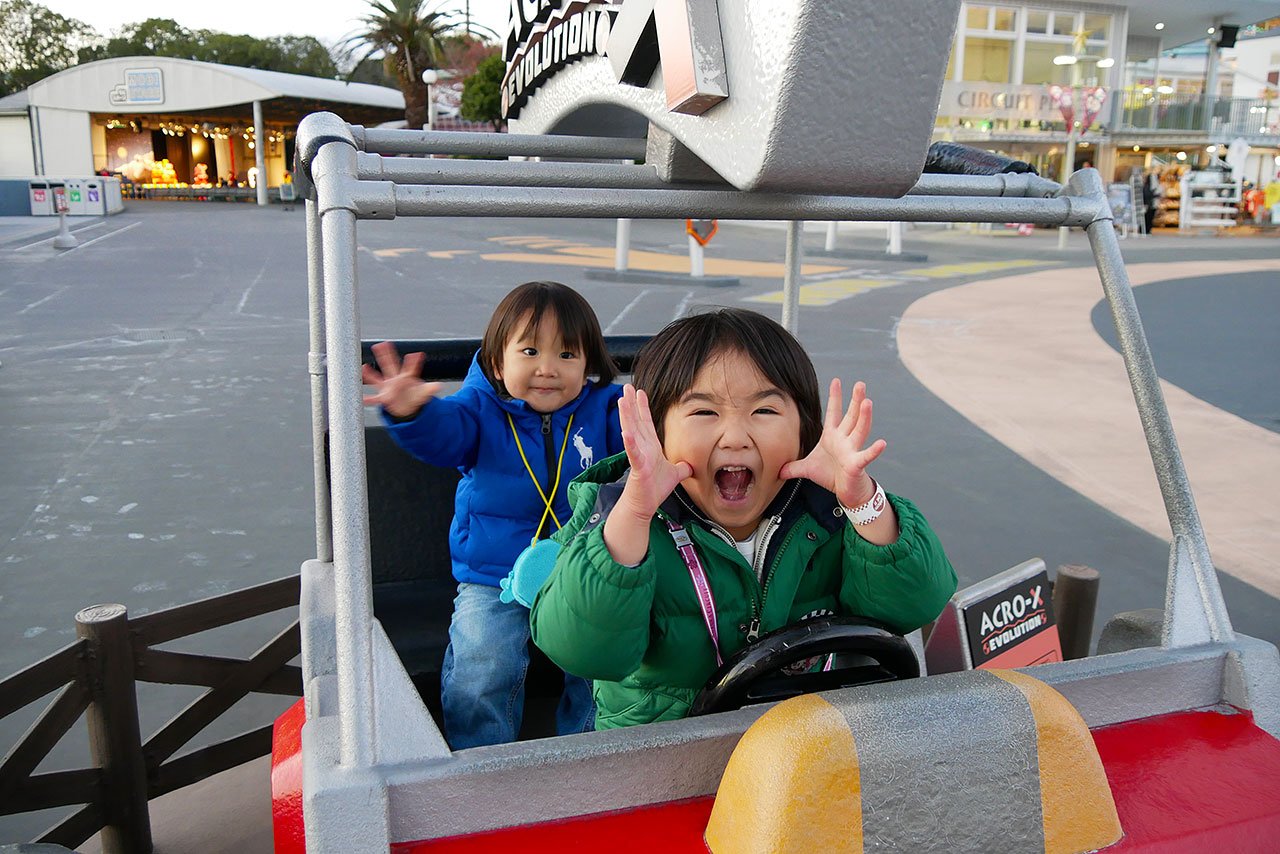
482	679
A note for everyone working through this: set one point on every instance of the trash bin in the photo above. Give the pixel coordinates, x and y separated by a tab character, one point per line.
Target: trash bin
112	197
58	190
41	198
95	203
75	197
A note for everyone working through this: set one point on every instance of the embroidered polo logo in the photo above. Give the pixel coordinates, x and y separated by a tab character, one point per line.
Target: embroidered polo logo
585	454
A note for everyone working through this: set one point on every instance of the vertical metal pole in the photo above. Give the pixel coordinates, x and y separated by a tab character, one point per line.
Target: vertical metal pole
353	588
316	367
1155	86
695	258
1077	110
791	284
1194	610
830	245
1210	78
259	153
622	246
115	743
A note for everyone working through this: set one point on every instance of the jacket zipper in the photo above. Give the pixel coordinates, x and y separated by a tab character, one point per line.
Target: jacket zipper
753	628
548	446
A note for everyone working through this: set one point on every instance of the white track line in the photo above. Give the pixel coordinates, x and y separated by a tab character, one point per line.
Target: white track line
48	239
96	239
614	323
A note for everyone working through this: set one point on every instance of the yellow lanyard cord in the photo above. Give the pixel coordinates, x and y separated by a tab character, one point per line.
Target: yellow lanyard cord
555	487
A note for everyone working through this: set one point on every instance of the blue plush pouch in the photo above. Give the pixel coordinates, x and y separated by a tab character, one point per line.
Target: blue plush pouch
531	570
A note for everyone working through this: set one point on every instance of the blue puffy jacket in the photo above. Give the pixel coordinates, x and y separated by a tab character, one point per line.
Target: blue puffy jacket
497	507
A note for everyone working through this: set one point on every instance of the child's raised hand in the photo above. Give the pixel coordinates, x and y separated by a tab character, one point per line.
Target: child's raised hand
652	476
398	387
839	462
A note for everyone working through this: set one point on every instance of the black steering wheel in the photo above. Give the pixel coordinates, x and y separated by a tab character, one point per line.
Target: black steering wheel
866	652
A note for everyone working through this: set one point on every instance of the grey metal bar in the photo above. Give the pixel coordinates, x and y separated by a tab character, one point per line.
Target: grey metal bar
725	204
1008	185
316	368
1194	610
791	281
403	170
353	588
386	141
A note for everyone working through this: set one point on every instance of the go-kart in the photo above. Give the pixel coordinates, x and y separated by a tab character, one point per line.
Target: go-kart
1171	745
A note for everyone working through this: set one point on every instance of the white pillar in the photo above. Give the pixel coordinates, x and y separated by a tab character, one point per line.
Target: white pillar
259	153
695	258
830	245
895	238
622	246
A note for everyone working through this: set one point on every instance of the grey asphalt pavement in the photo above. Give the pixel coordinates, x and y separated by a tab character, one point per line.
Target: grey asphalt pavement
154	393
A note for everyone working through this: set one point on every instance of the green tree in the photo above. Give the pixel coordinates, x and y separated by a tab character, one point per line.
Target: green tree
152	37
371	71
166	37
482	92
410	37
35	42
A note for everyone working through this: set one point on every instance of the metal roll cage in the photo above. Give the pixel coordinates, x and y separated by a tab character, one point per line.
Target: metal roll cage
349	173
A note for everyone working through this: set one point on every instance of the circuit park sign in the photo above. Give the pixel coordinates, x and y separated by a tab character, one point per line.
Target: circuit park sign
544	36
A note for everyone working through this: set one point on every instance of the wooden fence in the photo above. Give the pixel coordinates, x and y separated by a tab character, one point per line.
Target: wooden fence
95	678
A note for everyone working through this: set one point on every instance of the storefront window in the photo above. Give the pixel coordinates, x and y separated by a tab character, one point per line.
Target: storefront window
1099	27
1037	21
976	17
1004	20
987	59
1037	63
1064	23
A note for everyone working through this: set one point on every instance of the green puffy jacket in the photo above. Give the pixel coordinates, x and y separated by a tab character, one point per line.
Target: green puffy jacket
638	631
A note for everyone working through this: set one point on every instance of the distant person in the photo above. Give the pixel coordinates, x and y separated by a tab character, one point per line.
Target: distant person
736	511
537	408
1151	193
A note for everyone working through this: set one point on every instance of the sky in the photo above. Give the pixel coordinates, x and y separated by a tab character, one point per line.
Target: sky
327	20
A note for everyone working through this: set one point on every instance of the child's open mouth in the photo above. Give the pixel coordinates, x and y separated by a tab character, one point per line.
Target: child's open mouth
734	482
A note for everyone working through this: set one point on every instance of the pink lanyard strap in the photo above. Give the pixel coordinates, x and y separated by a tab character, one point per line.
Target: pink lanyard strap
684	545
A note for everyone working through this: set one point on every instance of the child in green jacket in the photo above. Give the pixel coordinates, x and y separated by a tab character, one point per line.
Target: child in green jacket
727	451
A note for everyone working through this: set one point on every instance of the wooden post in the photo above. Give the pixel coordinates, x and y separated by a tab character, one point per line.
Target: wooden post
115	743
1075	599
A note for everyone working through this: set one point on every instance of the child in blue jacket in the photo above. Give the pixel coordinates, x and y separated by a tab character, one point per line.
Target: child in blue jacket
537	407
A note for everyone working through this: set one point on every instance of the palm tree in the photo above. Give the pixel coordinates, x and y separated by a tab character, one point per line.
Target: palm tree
410	36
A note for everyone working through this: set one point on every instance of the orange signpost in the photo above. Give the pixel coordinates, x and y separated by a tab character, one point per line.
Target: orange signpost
701	230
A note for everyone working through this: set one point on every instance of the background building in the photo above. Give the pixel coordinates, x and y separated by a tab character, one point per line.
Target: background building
173	121
1180	106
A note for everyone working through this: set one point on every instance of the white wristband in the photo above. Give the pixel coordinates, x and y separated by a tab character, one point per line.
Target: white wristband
869	510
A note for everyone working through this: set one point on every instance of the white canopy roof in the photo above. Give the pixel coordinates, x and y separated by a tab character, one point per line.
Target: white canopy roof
152	84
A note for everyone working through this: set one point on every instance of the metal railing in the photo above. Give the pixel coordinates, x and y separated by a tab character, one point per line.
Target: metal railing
96	676
1248	117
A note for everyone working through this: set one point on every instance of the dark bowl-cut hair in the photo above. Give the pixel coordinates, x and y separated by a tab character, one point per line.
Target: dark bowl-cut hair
667	364
579	328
